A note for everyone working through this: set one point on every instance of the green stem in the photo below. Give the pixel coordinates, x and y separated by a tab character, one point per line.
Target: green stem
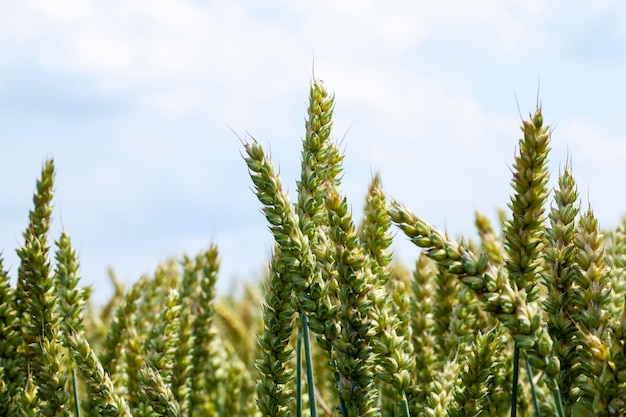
299	372
515	379
75	389
532	386
309	366
221	392
405	406
557	400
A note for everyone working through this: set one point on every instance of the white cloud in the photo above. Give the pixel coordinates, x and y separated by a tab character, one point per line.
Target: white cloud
177	102
592	145
100	52
61	10
181	58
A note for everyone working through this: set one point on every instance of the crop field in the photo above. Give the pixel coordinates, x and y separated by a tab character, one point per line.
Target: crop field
529	319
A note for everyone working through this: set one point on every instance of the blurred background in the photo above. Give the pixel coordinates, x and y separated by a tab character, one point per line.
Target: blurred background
135	101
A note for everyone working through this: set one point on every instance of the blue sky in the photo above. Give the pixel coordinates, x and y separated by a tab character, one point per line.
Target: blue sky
135	100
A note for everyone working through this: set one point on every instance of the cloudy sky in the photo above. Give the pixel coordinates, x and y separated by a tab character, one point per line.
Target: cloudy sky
135	99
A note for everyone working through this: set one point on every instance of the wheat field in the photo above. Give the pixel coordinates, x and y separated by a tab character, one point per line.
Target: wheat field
528	319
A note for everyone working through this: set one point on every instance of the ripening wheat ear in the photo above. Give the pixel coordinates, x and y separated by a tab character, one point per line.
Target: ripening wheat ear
524	233
106	314
506	294
477	375
611	396
165	278
35	300
445	298
422	338
524	236
158	394
321	165
203	387
37	304
103	395
613	376
116	355
159	353
354	346
616	260
183	364
25	402
9	339
561	269
72	299
150	358
441	393
54	394
320	170
374	233
275	371
291	246
5	398
160	346
294	246
591	312
392	342
489	242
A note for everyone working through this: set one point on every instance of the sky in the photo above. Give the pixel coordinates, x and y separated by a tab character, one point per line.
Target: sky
135	101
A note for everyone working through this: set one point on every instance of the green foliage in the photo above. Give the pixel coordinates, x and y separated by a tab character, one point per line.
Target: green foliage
447	338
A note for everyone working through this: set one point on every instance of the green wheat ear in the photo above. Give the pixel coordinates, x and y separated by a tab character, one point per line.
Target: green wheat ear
591	312
422	340
158	394
183	363
160	346
72	299
354	346
291	248
35	299
102	393
524	233
441	392
275	370
561	269
613	378
477	375
616	260
38	305
489	242
374	231
506	294
203	386
9	339
116	354
392	342
320	173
